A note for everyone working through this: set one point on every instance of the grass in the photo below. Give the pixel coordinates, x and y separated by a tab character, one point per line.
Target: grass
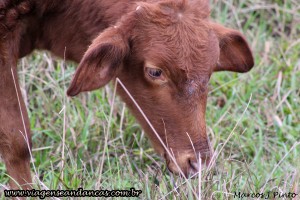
256	133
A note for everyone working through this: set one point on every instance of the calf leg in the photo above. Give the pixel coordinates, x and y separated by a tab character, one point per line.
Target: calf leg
15	140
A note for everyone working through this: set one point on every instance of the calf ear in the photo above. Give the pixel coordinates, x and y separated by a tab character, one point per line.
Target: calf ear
100	63
235	53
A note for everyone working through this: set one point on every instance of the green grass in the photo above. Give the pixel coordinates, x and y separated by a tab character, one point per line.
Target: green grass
256	134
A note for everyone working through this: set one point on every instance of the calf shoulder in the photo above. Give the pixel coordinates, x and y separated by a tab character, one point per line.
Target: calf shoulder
66	28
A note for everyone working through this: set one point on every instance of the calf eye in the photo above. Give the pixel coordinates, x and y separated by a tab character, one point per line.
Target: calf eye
154	75
154	72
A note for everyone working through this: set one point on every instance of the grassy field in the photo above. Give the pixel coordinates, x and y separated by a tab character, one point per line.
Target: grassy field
255	131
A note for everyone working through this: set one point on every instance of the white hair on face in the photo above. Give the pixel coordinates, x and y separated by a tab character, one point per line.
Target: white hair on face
179	15
138	7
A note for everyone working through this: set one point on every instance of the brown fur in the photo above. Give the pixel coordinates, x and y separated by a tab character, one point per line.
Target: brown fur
175	36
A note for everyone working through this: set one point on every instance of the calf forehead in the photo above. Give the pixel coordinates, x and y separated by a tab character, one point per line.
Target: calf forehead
177	36
181	49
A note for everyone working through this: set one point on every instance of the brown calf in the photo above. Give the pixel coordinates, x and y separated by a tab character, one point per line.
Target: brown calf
163	51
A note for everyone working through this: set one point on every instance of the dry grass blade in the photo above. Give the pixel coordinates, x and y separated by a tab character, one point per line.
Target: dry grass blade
216	155
278	164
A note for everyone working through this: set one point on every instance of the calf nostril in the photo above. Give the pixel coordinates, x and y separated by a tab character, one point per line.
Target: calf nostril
188	165
194	165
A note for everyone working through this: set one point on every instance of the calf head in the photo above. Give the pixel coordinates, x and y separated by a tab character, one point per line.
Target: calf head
164	53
